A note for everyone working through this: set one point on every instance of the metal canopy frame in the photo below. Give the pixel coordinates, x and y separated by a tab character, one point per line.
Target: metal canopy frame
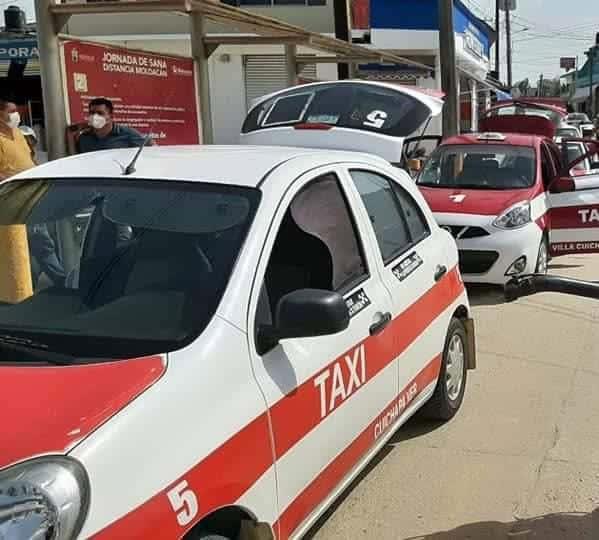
253	28
267	30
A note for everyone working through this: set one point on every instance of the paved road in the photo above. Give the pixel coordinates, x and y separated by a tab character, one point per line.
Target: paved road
521	460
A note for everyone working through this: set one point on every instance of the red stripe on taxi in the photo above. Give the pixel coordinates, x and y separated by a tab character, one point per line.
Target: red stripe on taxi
233	468
575	217
341	466
298	413
48	409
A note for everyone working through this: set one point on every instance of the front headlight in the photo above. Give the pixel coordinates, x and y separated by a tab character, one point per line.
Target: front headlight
515	216
44	499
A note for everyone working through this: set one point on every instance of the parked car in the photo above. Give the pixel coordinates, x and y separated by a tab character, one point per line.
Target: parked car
275	316
582	122
510	199
568	131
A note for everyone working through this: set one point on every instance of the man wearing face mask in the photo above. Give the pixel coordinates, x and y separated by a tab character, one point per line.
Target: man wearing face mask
15	154
103	133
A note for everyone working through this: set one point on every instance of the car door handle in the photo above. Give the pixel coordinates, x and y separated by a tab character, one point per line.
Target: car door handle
381	324
440	272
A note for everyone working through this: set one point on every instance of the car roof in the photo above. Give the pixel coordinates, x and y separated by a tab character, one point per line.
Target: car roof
512	139
236	165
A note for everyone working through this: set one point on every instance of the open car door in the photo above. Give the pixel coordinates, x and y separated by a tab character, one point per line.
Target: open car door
574	204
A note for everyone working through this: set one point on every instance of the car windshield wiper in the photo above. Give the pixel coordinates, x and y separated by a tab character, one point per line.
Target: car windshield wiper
31	351
23	341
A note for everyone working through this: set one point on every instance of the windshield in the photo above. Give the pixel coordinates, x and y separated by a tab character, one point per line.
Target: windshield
567	132
119	268
357	106
578	117
480	167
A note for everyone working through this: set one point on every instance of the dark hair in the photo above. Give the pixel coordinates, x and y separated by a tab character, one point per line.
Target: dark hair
98	102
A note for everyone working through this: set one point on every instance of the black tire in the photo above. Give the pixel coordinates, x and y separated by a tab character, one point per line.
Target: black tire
543	252
199	534
441	406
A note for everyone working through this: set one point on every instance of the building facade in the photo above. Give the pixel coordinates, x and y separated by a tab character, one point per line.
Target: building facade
411	29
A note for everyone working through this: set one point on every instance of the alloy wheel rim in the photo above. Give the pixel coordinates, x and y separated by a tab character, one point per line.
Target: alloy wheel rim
542	262
454	372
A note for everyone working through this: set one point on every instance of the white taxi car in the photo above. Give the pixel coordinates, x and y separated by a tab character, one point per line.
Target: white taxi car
246	329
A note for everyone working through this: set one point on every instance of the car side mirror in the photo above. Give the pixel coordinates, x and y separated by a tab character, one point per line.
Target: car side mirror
305	313
415	164
562	184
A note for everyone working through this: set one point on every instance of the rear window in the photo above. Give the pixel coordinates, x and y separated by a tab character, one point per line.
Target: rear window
119	268
521	109
578	117
480	167
356	106
567	132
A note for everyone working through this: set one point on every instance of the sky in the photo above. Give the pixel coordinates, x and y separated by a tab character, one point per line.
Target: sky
542	31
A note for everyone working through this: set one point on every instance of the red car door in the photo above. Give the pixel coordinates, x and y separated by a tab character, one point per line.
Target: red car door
574	206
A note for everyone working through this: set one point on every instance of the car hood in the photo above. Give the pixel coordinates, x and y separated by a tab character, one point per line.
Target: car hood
483	202
49	409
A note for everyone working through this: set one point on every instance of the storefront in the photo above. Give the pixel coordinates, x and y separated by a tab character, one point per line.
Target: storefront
20	76
411	28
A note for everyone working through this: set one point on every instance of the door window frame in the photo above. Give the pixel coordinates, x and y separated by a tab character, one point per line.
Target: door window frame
395	185
283	205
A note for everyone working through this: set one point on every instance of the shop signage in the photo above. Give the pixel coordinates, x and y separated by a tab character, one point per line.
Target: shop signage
567	62
152	93
18	49
473	43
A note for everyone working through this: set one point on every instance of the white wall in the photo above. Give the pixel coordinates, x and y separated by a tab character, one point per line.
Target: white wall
227	96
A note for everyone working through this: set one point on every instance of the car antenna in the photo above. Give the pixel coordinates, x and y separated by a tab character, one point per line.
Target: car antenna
130	169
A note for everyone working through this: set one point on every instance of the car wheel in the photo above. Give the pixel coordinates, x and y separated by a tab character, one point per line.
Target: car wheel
542	258
451	385
206	536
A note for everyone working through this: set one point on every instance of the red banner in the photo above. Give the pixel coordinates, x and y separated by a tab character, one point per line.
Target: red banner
151	93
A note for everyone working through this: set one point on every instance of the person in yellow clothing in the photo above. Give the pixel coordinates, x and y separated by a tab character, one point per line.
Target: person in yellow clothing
15	154
15	157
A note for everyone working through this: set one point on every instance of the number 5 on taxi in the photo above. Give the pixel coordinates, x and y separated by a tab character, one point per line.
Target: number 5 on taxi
232	331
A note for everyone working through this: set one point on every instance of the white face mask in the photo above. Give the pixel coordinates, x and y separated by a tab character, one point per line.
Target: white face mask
96	121
14	119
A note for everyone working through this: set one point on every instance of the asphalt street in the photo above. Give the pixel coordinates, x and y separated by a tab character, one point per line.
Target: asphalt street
521	459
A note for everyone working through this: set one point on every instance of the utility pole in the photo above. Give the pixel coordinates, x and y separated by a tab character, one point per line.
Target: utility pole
540	89
449	76
200	57
342	18
52	87
498	41
291	64
508	37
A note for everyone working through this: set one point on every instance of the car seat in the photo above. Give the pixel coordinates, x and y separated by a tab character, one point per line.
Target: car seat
299	260
154	260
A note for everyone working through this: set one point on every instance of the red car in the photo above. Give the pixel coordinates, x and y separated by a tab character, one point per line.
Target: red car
508	196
